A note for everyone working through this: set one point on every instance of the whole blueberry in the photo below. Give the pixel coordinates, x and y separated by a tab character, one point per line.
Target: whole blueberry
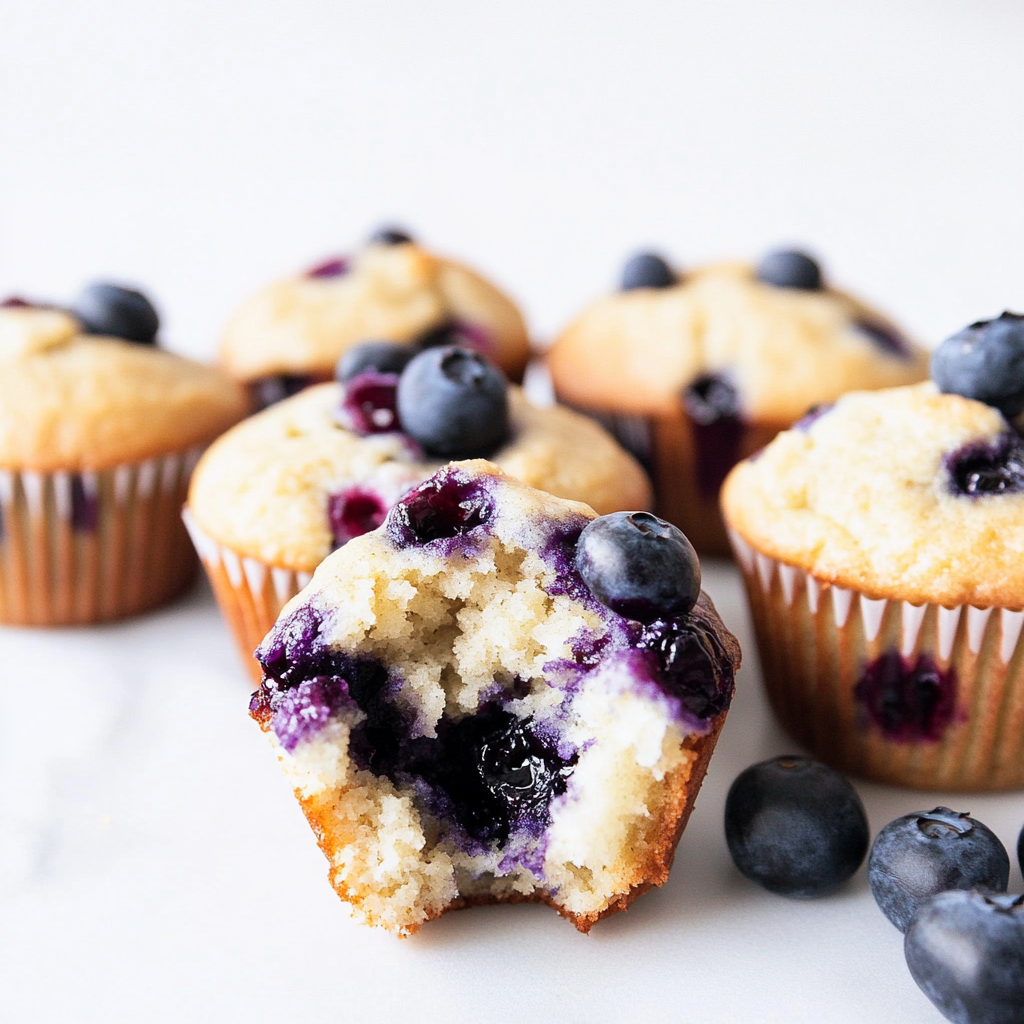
639	566
454	403
389	235
795	826
965	950
922	854
986	362
382	356
646	270
790	268
121	312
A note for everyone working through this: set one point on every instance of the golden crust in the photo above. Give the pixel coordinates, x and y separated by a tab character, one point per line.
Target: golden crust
635	352
302	325
95	403
861	500
262	488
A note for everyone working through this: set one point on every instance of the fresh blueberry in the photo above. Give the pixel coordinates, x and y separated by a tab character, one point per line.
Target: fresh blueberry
121	312
382	356
790	268
389	235
922	854
639	566
454	403
795	826
965	950
646	270
986	362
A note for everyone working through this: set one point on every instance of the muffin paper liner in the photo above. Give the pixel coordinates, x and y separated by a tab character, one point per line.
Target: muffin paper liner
250	593
666	446
839	668
78	548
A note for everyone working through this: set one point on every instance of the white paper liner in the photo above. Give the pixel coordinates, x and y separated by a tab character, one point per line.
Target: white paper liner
250	593
815	640
126	552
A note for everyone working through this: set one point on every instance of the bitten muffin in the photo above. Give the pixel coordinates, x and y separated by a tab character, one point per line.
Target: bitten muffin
882	541
465	722
291	334
694	371
274	496
98	437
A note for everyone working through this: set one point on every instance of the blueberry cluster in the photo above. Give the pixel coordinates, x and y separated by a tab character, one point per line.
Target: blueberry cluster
798	828
450	400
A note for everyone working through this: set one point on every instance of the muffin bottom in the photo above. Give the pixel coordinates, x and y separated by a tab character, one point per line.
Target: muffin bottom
81	548
911	695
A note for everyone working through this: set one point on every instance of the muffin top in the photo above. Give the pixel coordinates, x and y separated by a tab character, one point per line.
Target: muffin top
389	289
783	347
290	484
905	493
74	401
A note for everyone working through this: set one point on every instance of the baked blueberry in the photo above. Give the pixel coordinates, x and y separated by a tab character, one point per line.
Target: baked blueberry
454	403
639	566
965	950
646	270
369	403
276	387
389	235
922	854
986	362
1020	849
104	308
988	467
789	268
795	826
382	356
334	266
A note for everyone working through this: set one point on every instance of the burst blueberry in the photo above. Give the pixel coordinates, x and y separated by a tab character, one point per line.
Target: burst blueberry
922	854
646	270
795	826
639	566
986	362
120	312
790	268
965	950
381	356
454	403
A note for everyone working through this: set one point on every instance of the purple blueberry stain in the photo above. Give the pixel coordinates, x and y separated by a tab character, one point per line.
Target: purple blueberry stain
85	509
988	467
353	512
712	405
447	507
884	336
336	266
907	701
369	405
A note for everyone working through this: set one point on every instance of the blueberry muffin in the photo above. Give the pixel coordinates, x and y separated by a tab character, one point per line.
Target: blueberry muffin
291	334
273	497
882	541
98	437
695	371
466	719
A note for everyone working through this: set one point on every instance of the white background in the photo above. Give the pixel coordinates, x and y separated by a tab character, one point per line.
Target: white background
152	865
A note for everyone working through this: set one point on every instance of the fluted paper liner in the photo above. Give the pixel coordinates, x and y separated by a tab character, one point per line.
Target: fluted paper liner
816	640
250	593
79	548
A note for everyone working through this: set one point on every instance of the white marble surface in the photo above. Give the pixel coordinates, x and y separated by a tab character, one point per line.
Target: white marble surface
156	868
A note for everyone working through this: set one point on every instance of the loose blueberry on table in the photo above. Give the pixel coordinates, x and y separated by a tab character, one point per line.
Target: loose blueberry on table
104	308
789	268
454	403
922	854
985	361
646	270
965	950
795	826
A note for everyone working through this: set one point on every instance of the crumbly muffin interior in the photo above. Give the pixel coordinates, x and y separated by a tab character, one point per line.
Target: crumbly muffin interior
463	722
